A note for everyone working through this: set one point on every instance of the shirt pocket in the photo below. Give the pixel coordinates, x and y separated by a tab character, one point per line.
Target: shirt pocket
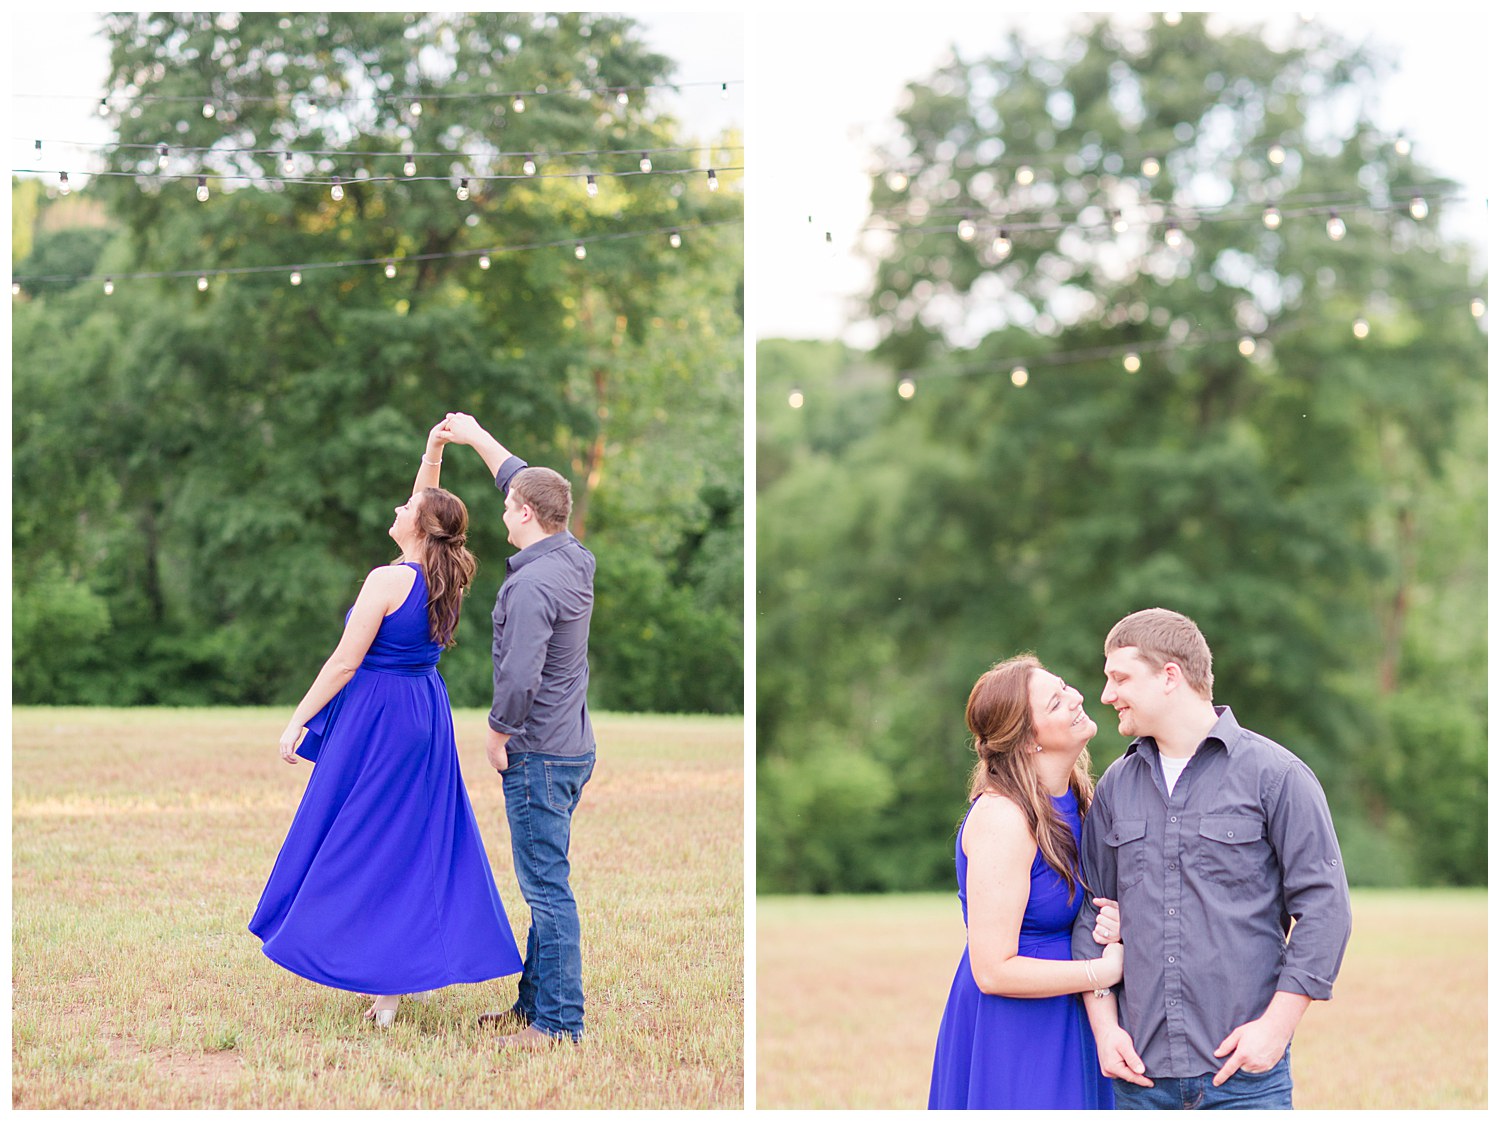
1231	849
1127	838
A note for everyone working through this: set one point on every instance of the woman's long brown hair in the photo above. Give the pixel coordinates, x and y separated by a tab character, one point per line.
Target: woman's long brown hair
999	716
447	563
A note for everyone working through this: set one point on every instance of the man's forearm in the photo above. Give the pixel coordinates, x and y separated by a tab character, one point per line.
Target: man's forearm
1103	1012
491	451
1285	1011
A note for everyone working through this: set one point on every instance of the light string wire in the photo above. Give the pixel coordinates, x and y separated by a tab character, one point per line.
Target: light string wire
124	101
282	151
346	183
301	267
1086	356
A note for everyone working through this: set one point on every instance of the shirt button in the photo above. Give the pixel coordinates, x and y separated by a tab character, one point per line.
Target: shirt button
1172	867
1174	818
1171	911
1230	834
1171	959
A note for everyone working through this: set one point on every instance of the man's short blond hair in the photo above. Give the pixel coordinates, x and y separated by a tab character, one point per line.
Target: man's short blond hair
547	493
1162	636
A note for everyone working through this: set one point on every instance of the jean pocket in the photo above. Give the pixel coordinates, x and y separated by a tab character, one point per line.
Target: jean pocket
1127	837
1231	848
565	780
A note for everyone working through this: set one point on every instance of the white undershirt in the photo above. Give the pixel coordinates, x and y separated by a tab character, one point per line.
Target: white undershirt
1171	769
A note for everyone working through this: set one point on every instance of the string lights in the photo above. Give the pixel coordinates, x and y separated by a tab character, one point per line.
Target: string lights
1130	354
296	273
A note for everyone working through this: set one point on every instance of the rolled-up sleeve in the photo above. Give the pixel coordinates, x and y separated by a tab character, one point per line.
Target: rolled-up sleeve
1099	876
524	619
1315	891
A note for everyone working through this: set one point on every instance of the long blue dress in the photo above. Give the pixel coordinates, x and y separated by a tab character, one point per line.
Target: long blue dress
1014	1053
383	885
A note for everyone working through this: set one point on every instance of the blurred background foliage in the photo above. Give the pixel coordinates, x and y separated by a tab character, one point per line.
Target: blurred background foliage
201	478
1318	506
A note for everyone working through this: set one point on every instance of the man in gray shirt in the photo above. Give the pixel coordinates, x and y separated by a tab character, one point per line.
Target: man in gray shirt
540	738
1213	839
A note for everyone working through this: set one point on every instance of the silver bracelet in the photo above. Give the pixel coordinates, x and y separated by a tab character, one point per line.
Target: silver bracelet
1088	969
429	463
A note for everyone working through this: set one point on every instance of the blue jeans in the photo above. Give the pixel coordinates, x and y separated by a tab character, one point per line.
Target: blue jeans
1244	1090
541	793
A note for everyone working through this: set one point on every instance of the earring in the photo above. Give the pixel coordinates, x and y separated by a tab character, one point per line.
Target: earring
1038	747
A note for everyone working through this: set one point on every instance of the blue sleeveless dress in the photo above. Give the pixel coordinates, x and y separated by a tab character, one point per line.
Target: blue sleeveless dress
383	885
1020	1053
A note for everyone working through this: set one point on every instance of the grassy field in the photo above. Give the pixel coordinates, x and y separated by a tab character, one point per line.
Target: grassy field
851	989
141	840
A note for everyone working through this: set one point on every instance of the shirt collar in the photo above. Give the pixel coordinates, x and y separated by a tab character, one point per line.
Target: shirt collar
1226	731
549	544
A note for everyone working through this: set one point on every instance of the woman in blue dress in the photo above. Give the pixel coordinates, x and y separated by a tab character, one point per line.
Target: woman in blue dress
383	886
1014	1034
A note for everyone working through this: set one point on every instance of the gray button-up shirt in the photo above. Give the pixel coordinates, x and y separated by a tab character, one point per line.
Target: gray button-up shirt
541	644
1209	880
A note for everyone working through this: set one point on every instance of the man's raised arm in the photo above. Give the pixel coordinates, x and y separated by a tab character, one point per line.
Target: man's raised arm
464	429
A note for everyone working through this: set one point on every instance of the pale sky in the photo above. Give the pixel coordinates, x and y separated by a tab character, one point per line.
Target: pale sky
838	80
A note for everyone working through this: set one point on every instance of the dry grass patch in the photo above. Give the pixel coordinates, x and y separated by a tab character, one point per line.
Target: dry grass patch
141	840
845	979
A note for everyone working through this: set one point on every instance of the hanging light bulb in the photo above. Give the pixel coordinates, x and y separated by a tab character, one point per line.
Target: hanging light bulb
907	389
1277	155
723	91
579	251
795	399
1132	362
1173	235
104	107
1019	376
645	162
202	283
463	190
1001	245
296	278
390	270
1419	208
410	167
416	109
1476	307
1336	228
674	239
1247	346
287	167
1361	328
592	188
529	167
1150	167
1024	175
622	98
1272	218
519	104
161	155
1118	223
967	230
38	147
202	189
713	180
62	183
15	288
1403	146
828	243
484	260
208	109
109	287
337	190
